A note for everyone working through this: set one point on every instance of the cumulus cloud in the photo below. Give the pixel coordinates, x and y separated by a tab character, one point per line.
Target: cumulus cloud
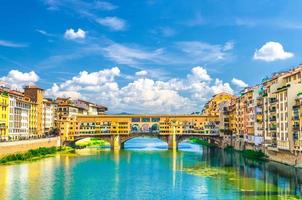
272	51
239	83
142	95
200	73
17	79
114	23
71	34
141	73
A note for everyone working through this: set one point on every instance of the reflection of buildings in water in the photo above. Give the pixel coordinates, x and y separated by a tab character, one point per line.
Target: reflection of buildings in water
286	178
17	181
67	176
34	176
174	166
4	181
47	177
116	157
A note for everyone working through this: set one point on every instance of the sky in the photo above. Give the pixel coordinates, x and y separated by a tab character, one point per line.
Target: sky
147	56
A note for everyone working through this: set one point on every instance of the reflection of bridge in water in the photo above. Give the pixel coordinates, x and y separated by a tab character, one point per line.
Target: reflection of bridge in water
172	129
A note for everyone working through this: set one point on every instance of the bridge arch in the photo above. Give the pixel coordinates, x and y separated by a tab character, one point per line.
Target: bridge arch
135	128
124	140
154	128
77	139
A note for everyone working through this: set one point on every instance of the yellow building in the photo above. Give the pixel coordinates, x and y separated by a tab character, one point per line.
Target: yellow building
4	115
297	123
162	124
212	106
68	127
36	95
279	98
33	120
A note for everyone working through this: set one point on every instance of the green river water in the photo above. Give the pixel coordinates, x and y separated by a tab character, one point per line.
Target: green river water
147	170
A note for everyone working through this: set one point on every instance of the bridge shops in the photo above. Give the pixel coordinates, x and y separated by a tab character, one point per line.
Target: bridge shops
117	129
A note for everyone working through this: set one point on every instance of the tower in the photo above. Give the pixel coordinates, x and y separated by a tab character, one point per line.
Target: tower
36	95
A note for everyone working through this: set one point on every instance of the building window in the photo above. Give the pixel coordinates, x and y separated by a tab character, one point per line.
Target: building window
155	119
145	119
135	120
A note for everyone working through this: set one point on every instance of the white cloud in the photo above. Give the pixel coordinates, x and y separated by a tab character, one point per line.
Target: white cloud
204	51
45	33
17	80
201	74
123	54
228	46
219	86
239	83
6	43
71	34
114	23
80	6
104	5
196	21
272	51
164	31
142	95
141	73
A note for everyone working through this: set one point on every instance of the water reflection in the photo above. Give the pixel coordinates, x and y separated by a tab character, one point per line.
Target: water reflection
149	173
277	178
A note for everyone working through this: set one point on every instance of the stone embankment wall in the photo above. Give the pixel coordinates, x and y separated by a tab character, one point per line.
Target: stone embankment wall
22	146
285	157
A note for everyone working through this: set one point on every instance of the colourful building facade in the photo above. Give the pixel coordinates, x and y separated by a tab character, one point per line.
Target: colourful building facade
4	115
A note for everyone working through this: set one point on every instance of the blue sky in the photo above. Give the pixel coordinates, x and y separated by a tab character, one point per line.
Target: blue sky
141	55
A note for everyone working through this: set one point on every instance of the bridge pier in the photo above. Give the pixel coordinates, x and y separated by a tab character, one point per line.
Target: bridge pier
116	142
172	142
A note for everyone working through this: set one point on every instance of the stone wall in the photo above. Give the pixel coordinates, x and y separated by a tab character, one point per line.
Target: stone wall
22	146
285	157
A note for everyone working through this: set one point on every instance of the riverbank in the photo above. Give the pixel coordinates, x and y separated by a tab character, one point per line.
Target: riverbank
34	154
7	148
202	142
250	154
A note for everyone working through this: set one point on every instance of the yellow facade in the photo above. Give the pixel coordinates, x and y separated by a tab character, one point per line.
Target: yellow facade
127	124
33	119
212	106
4	115
36	95
68	127
296	123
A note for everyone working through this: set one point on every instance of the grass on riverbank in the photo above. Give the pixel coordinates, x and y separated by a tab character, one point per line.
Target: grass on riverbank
201	142
34	154
92	142
229	148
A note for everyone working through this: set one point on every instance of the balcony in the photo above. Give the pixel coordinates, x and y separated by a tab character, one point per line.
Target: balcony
296	127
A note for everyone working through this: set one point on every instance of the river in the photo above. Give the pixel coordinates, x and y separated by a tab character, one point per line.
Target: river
147	170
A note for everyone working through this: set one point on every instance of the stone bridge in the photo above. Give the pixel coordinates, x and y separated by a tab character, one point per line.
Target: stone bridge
117	141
